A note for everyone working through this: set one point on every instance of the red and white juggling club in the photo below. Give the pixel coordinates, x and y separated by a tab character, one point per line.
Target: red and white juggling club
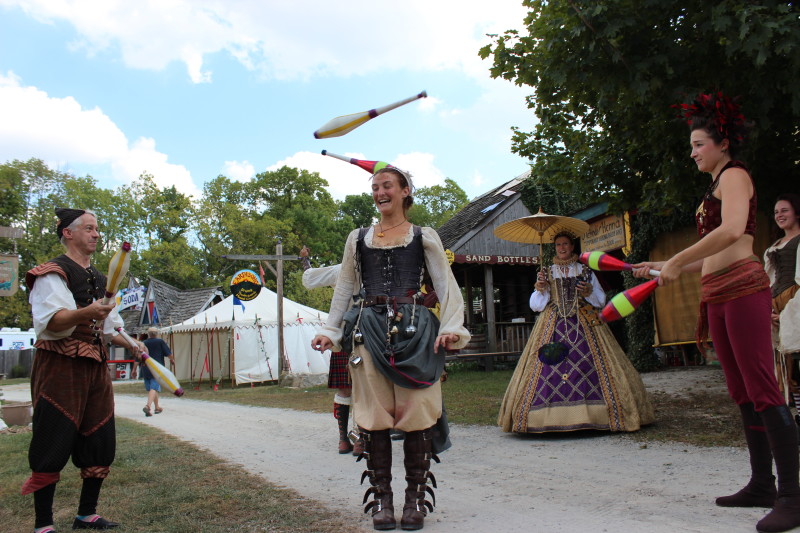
117	269
628	301
339	126
370	166
602	261
164	377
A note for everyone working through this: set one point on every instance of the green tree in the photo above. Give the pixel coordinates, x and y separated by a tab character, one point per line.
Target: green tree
435	205
606	73
173	262
360	208
12	194
15	311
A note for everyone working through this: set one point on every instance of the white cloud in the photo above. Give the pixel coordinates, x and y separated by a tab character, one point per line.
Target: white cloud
62	133
239	171
345	178
287	40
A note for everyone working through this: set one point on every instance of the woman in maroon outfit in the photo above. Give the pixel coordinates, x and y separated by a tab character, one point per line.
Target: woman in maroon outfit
736	309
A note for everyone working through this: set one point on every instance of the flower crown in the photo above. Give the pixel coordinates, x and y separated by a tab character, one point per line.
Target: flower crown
723	113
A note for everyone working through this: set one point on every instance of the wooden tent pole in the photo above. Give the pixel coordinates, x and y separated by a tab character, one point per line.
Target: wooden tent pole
279	252
232	362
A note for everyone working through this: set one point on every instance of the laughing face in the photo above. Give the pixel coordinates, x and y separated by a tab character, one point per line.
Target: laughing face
387	193
785	216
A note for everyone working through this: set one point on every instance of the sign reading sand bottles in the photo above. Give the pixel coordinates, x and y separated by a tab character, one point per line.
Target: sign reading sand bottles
245	285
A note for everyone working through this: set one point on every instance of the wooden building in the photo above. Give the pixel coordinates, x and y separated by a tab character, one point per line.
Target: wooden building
486	265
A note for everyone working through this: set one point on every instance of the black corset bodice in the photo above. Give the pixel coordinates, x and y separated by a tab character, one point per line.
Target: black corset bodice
784	260
86	284
392	271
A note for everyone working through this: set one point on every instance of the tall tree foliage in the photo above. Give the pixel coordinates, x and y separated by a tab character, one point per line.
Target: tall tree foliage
435	205
606	72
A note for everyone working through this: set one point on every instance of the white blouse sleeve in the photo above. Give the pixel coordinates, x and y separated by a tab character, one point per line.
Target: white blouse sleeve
50	295
347	282
451	314
797	267
598	296
539	300
321	277
113	321
768	266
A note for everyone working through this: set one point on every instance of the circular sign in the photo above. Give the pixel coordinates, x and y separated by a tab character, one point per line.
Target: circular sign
245	285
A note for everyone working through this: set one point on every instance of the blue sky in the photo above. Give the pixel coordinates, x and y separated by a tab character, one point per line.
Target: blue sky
187	90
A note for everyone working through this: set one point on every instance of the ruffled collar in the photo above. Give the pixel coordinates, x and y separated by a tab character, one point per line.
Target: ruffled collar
564	262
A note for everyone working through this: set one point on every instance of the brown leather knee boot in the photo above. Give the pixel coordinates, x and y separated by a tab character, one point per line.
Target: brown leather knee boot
760	490
341	413
378	452
782	435
418	455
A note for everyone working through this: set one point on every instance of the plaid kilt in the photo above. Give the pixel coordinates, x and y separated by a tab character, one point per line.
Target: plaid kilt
338	375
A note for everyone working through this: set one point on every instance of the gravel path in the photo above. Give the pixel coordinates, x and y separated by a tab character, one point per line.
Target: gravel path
489	481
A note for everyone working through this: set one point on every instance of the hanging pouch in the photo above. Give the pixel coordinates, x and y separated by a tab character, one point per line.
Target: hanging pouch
349	321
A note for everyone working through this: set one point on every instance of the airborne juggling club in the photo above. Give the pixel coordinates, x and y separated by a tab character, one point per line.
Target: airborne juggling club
344	124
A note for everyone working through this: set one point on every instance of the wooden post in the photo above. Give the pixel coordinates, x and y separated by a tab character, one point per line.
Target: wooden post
279	252
468	289
278	271
488	302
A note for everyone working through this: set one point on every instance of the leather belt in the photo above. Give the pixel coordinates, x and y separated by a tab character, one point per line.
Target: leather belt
383	300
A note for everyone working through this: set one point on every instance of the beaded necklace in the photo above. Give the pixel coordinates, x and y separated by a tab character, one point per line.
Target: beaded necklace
563	308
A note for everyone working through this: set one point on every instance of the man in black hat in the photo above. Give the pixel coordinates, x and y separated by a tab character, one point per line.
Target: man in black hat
71	388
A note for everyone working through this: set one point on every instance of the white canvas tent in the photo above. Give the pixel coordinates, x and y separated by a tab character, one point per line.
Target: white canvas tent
228	341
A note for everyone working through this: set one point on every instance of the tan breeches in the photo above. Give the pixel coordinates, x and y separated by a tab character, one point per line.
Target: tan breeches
380	404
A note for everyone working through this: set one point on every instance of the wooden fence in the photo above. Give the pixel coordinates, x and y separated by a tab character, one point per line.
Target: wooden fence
11	358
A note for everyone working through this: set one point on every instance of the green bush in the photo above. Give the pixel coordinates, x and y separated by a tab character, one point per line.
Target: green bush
18	371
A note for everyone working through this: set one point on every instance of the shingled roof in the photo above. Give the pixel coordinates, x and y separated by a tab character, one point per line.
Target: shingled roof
478	210
172	304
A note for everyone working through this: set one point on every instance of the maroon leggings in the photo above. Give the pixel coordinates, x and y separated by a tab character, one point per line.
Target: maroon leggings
740	330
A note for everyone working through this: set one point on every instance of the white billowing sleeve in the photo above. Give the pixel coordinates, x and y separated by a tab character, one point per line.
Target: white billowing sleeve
50	295
113	320
347	284
539	300
598	296
451	314
768	266
314	278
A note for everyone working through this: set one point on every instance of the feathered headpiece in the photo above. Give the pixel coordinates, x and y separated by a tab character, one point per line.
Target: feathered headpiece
720	112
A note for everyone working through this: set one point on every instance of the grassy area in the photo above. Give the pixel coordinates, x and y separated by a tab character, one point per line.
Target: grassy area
202	493
14	381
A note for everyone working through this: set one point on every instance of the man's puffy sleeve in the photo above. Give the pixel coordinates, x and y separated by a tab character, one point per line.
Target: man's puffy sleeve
48	296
